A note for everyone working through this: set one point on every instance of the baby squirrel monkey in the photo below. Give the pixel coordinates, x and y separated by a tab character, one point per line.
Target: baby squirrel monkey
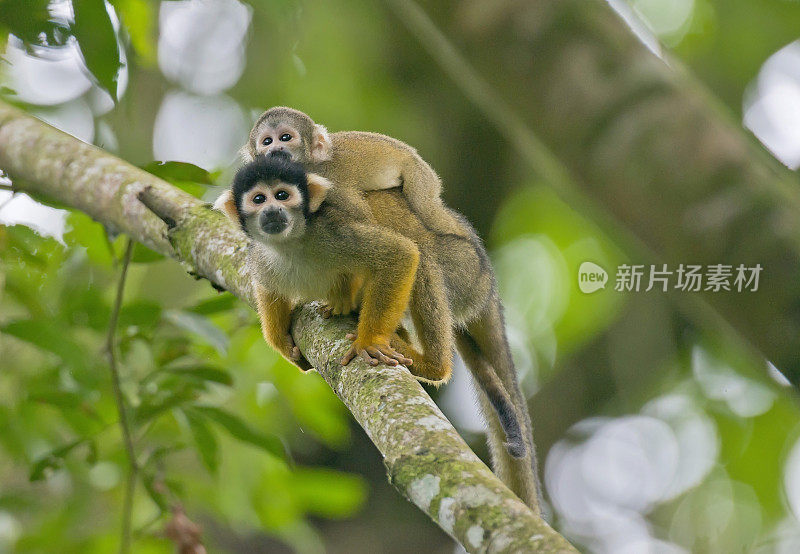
362	160
314	241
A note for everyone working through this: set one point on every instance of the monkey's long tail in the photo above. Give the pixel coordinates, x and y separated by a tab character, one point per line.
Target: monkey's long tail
499	401
519	473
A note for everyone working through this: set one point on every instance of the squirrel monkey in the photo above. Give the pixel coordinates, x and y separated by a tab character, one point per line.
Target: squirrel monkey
303	250
314	241
356	159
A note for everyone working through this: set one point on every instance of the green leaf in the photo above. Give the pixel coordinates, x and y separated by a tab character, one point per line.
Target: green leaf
143	255
205	440
98	42
83	305
52	460
187	177
139	18
92	236
152	408
59	399
220	303
47	336
204	373
200	326
27	246
179	172
141	313
195	189
65	401
328	493
241	430
158	454
170	348
31	22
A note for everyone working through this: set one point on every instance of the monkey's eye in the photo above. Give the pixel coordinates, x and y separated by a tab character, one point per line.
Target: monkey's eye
281	195
267	141
286	137
259	199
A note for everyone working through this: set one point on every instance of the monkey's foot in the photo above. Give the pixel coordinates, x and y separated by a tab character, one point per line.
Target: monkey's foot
290	349
374	354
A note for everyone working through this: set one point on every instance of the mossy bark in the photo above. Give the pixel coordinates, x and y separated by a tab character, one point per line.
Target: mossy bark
425	457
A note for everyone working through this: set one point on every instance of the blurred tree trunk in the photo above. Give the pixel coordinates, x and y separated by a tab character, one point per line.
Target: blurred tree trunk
426	459
640	139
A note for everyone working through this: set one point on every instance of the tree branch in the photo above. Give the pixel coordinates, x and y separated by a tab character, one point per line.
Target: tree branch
426	459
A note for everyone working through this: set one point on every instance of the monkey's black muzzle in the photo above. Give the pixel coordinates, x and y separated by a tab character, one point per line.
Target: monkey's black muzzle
280	154
273	221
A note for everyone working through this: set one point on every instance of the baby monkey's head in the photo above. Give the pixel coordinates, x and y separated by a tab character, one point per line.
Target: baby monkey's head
272	197
288	131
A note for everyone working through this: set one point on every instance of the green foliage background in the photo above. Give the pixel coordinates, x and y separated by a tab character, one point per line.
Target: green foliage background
267	459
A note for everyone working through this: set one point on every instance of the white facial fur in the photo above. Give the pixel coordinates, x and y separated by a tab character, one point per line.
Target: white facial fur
281	137
284	136
276	197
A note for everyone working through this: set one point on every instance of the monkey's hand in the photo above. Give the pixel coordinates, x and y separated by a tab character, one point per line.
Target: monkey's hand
374	354
340	306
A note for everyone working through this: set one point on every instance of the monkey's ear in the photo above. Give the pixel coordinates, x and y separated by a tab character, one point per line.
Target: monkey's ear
317	190
244	153
226	205
320	144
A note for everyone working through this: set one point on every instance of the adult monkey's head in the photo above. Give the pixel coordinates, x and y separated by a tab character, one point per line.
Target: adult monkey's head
272	199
